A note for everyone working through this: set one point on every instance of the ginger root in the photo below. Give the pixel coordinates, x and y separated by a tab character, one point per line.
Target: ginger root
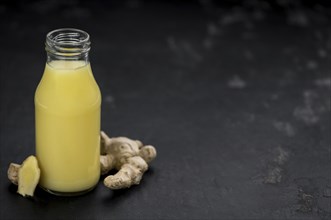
129	157
26	176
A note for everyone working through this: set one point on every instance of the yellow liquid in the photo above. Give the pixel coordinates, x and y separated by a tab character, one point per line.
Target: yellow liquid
67	111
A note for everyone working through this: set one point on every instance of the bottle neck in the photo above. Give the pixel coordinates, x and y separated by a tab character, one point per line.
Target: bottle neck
68	44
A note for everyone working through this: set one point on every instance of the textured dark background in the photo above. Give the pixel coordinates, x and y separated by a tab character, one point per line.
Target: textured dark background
235	96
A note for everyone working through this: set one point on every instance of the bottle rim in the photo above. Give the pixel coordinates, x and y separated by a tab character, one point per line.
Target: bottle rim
67	42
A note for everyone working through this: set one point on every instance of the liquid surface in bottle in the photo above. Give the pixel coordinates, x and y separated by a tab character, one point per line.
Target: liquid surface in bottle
67	108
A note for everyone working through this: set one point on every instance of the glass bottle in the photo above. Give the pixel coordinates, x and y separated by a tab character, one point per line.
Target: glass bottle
67	116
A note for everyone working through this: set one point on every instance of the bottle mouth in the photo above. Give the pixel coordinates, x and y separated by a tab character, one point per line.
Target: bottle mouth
68	43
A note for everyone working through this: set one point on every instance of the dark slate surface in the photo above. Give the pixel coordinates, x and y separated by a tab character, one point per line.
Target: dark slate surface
236	99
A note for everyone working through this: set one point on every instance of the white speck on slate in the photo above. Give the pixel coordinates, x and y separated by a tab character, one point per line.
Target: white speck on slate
109	99
236	83
212	29
285	127
297	18
322	53
325	82
312	65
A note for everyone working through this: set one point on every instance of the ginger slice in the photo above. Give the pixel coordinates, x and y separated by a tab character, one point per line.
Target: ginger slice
28	176
13	172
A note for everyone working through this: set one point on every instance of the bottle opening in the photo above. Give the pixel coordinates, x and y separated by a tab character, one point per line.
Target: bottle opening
68	43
